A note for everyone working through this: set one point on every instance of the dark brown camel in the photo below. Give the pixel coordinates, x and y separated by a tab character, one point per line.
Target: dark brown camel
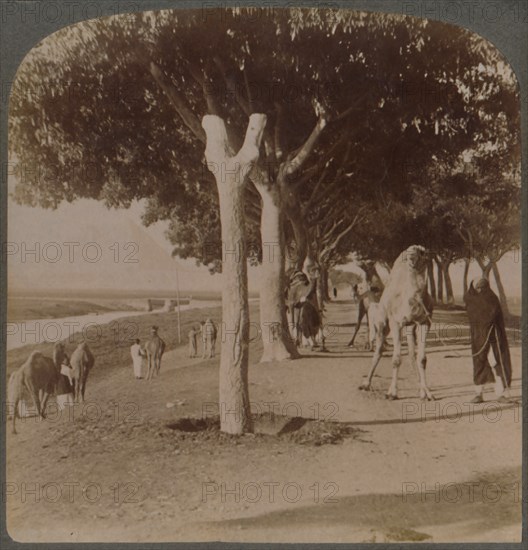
154	348
38	377
365	302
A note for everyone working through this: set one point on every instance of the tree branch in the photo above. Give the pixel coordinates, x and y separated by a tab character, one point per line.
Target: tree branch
343	233
292	165
188	117
231	86
249	151
351	109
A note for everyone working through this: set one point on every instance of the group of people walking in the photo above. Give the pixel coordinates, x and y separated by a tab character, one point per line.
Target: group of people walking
208	331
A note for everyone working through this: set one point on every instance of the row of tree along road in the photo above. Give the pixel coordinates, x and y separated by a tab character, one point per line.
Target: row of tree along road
325	132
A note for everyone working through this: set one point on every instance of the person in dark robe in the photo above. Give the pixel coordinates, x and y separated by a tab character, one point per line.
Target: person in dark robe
335	292
489	344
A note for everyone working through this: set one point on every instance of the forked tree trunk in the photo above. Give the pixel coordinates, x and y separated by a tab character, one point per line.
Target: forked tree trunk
500	288
450	298
430	276
465	285
229	172
486	270
277	342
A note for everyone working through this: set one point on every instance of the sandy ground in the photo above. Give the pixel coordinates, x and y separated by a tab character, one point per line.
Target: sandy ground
116	470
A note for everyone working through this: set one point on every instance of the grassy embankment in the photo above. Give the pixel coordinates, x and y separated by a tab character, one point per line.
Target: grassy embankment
111	342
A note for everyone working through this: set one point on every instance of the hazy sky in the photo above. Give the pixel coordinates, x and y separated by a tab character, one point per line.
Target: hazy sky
85	245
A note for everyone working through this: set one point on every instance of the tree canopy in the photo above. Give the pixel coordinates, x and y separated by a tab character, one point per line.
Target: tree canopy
87	119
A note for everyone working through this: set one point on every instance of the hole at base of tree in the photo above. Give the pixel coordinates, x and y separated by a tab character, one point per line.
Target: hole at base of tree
297	430
196	424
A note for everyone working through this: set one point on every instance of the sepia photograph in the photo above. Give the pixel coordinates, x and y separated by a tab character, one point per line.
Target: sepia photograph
264	280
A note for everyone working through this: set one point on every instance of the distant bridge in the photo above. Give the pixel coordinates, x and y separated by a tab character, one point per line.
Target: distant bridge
166	304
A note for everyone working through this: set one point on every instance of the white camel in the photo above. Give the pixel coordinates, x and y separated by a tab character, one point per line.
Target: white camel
405	303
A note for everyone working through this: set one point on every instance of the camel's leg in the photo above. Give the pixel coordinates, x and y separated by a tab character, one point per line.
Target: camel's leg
396	360
15	414
410	333
150	365
43	397
79	388
44	401
295	328
35	395
380	337
361	313
296	332
322	339
83	383
371	326
425	392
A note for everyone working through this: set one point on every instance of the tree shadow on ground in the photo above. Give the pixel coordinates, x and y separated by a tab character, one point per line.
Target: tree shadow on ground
490	501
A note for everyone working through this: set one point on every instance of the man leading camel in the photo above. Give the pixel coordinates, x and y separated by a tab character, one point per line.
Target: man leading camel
489	344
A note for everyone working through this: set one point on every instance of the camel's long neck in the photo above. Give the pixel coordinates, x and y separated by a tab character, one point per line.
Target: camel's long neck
372	277
58	358
312	288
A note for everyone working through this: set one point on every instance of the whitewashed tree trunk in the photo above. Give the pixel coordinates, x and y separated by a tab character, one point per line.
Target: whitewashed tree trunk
277	342
230	174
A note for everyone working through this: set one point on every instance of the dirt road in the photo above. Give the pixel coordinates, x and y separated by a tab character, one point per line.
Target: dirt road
117	470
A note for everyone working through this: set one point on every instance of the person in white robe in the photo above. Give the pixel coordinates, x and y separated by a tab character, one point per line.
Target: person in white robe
137	353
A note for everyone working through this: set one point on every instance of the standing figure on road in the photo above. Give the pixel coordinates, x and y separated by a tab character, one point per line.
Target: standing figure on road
489	344
335	292
193	342
137	353
208	339
155	349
